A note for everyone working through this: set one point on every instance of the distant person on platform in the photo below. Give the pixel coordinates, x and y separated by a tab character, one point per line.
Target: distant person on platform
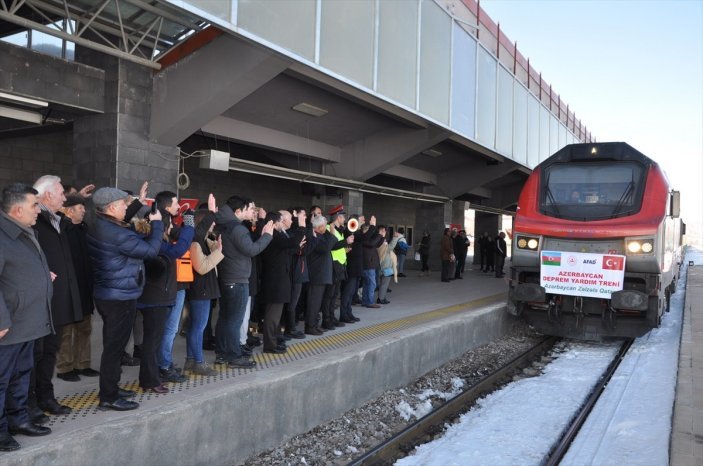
118	254
461	248
501	252
424	250
25	299
447	255
483	251
401	251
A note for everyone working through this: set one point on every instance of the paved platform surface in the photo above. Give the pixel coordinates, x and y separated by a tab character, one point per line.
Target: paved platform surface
687	428
418	304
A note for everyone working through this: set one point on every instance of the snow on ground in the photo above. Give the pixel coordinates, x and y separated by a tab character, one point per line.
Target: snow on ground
516	424
630	424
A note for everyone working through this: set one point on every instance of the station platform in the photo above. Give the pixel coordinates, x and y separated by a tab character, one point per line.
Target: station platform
226	418
687	429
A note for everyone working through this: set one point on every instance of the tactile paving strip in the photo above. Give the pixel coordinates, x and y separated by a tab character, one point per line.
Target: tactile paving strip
86	402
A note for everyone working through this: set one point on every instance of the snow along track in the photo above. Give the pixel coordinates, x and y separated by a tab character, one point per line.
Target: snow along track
521	423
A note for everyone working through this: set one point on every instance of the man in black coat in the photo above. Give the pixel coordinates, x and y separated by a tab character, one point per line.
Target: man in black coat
372	263
461	248
73	357
66	302
501	252
320	267
276	273
355	268
25	299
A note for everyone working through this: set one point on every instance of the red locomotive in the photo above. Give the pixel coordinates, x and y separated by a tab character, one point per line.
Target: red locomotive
596	243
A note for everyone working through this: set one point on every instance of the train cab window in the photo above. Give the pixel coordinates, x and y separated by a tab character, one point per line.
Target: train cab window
592	191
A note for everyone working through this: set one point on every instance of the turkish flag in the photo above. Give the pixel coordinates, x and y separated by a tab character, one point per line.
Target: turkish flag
613	263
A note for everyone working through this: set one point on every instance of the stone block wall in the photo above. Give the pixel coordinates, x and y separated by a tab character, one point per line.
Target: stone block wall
26	158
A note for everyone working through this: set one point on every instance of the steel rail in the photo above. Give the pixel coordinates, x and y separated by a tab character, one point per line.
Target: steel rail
560	448
409	437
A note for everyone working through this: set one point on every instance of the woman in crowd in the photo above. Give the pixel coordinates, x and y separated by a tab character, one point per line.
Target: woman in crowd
205	254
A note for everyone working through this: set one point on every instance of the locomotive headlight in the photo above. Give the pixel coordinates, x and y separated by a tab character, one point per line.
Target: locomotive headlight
640	246
526	242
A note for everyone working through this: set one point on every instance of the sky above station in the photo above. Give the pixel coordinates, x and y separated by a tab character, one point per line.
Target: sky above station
631	70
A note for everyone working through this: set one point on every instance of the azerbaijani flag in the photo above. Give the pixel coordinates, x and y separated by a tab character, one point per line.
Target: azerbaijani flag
551	258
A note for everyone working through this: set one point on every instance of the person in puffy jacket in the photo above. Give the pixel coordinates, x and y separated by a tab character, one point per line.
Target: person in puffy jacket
117	253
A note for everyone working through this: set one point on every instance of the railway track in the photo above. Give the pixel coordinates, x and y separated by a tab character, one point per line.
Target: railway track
425	428
417	433
561	447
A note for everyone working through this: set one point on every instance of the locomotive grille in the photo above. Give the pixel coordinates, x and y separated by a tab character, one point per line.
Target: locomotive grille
595	247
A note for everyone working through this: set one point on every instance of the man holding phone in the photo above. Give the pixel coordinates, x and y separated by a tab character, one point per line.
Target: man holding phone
118	254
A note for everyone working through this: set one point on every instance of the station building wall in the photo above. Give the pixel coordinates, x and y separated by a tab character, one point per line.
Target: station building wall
24	159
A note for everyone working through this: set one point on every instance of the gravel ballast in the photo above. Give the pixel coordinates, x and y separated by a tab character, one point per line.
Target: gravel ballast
340	440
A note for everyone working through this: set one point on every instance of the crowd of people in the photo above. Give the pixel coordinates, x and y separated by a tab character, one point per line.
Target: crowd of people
139	264
137	267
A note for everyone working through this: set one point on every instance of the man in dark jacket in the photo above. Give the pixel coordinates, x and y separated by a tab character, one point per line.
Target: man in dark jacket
320	264
355	269
299	276
233	273
372	263
73	358
25	300
501	252
118	254
66	308
461	248
276	273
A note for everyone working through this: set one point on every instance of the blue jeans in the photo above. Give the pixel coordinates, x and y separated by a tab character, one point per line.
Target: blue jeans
401	263
233	306
199	312
165	352
369	290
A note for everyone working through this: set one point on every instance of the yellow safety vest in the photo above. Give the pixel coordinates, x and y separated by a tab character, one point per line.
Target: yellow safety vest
339	255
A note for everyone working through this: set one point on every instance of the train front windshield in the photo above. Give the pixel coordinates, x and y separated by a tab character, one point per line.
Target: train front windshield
592	190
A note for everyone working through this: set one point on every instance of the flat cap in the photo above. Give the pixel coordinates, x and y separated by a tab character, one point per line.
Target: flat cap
104	196
74	199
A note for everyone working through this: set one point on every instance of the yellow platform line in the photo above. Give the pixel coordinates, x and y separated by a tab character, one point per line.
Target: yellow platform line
89	399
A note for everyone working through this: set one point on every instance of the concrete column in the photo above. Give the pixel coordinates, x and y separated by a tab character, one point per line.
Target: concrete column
459	213
491	223
353	202
434	218
113	149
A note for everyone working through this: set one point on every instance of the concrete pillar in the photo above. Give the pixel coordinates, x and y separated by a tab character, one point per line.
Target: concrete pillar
434	218
353	202
113	148
484	222
459	213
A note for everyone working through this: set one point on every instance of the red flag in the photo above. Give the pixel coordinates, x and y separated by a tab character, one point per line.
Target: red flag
613	263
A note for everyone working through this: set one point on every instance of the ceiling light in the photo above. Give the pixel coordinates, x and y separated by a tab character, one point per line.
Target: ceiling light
19	114
432	152
308	109
24	101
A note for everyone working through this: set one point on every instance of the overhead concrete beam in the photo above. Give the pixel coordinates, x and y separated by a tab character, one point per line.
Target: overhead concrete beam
205	84
410	173
481	192
367	157
266	137
457	182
